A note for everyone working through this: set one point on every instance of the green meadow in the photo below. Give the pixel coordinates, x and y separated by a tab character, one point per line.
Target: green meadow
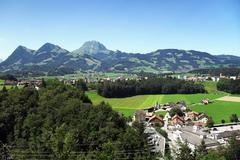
219	110
210	86
2	82
130	104
8	87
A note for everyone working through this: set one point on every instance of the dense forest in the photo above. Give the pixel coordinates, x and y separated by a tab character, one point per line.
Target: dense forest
125	88
8	77
229	85
218	71
59	122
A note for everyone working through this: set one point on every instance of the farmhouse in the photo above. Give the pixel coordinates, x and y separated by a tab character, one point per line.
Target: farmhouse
191	115
156	120
168	106
177	120
205	101
199	123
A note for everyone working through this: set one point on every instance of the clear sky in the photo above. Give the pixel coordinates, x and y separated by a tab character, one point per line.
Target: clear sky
127	25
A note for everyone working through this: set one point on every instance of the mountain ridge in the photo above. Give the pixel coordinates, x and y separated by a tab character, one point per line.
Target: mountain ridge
94	56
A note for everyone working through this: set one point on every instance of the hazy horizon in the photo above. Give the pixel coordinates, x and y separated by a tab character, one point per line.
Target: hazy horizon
137	26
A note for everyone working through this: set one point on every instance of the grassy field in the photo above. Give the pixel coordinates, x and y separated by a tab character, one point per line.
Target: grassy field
2	82
219	110
130	104
161	113
8	87
210	86
90	76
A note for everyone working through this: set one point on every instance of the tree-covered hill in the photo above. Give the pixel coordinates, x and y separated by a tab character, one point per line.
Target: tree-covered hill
59	122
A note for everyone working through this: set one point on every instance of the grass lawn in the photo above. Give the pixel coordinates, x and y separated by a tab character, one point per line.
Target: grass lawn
130	104
2	82
161	113
210	86
8	87
219	110
127	112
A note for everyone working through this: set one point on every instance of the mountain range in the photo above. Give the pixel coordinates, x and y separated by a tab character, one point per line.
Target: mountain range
94	56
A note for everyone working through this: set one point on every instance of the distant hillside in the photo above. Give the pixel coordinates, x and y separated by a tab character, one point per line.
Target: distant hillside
94	56
1	60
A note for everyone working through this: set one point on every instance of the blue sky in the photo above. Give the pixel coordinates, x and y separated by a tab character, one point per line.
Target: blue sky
127	25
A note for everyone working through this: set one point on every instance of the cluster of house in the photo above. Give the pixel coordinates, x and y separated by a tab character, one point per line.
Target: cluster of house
204	78
189	118
166	107
35	83
69	81
121	78
190	127
213	137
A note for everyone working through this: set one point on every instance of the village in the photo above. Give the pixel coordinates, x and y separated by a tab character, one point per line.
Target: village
188	126
88	79
179	123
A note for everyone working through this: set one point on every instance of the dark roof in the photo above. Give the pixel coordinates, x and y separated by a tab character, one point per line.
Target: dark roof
227	134
156	117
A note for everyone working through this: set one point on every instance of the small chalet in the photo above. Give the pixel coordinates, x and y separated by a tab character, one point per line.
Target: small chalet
192	115
199	123
205	101
156	119
203	118
177	120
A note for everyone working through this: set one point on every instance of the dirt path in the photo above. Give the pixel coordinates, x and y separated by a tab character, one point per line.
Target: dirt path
229	98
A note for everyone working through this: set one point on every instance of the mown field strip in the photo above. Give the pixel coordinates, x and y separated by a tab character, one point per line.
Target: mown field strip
145	101
229	98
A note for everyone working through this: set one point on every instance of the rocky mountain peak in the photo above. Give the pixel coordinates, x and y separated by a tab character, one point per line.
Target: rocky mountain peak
90	47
